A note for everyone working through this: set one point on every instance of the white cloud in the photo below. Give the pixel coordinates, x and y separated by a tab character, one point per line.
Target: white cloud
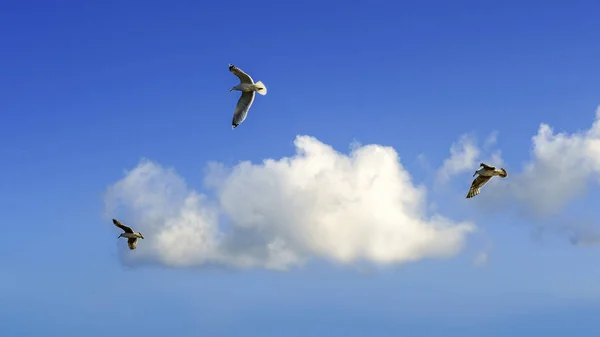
465	156
317	204
562	166
481	260
491	140
495	159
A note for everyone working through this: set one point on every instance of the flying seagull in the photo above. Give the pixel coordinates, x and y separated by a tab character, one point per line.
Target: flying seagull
129	234
247	87
486	172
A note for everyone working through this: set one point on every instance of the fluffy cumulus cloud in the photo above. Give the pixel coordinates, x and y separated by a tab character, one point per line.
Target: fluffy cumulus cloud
281	213
561	168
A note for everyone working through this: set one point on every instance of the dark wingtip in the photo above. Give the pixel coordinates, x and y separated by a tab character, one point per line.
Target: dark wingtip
231	66
115	221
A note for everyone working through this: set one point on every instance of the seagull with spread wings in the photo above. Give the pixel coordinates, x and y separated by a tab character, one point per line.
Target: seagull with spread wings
129	234
247	87
486	172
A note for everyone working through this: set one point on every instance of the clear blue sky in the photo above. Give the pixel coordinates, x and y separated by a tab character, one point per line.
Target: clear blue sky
88	90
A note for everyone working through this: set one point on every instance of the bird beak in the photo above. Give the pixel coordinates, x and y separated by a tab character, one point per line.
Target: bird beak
142	236
230	90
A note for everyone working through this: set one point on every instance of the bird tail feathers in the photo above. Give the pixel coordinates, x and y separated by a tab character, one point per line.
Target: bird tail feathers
260	88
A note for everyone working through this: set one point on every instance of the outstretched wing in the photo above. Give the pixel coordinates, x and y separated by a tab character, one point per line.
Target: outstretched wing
241	110
244	78
123	227
487	167
131	242
477	185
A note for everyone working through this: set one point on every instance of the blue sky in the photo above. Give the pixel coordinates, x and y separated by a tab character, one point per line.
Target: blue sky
124	111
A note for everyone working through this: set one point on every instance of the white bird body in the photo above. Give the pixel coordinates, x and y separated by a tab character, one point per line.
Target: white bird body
248	87
485	173
129	233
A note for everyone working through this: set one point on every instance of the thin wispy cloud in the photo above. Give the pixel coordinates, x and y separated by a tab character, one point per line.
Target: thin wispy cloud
490	140
481	259
318	204
465	156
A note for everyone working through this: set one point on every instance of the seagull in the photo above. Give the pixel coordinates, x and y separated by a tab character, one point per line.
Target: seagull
486	172
129	234
247	87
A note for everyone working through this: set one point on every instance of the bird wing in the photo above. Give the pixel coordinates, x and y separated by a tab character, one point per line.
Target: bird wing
123	227
244	78
131	242
487	167
477	185
242	107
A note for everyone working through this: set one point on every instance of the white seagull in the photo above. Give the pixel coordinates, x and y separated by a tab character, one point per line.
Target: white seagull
486	172
129	234
247	87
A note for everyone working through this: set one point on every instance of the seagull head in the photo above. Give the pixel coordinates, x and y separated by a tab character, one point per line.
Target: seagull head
237	87
120	235
141	235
